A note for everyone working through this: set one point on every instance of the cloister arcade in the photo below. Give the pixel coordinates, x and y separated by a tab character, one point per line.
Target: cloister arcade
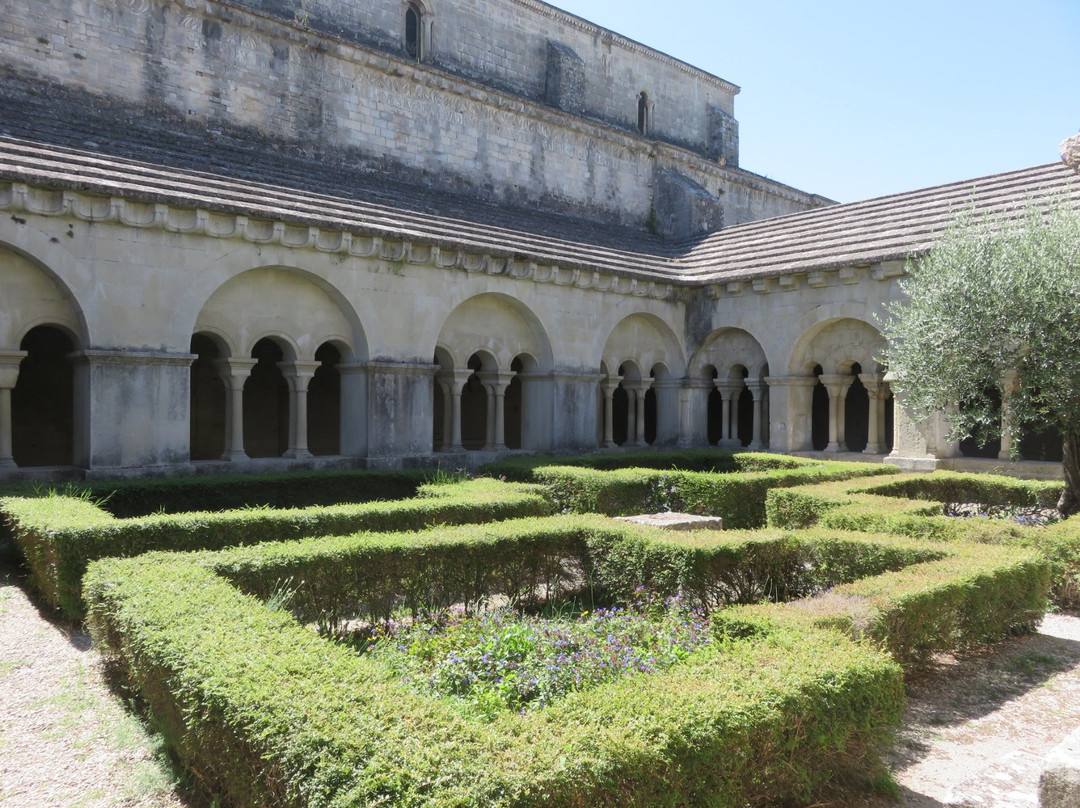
278	367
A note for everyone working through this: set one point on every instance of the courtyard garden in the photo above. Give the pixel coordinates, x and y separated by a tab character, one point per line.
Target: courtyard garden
356	638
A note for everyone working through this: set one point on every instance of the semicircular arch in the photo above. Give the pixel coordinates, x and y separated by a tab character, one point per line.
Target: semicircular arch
278	301
497	325
645	340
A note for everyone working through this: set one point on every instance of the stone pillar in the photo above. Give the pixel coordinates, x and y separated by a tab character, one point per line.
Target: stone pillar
234	373
353	409
298	375
399	408
132	409
729	391
609	387
694	429
875	389
837	386
9	375
757	390
496	384
636	437
790	412
668	415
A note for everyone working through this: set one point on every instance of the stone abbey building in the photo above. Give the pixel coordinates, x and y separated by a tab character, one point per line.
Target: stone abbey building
248	234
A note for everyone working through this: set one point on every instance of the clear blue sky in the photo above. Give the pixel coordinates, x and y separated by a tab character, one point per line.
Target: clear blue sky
859	99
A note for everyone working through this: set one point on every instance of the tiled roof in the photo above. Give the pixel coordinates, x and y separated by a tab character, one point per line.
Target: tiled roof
192	169
882	229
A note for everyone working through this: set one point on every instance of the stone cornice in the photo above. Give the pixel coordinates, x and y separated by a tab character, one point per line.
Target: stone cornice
391	254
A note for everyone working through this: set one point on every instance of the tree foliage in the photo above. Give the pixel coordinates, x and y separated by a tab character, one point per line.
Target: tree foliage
991	321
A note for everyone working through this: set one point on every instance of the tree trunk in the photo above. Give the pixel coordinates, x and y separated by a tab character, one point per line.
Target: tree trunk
1070	497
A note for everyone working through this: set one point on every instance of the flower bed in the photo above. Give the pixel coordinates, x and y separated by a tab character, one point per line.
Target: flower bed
502	660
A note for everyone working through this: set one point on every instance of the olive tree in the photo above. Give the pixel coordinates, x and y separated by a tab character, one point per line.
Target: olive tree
991	322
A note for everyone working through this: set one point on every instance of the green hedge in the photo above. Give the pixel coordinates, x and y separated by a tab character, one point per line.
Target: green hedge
910	505
737	497
59	535
268	713
720	460
294	489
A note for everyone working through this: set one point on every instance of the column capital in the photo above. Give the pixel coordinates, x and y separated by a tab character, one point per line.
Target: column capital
638	385
873	382
836	383
729	388
757	386
235	368
298	374
496	380
9	367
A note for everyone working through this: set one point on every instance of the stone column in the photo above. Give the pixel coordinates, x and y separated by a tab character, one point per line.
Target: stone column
298	375
638	388
837	386
729	391
875	389
9	375
496	384
234	373
757	390
791	411
609	387
457	382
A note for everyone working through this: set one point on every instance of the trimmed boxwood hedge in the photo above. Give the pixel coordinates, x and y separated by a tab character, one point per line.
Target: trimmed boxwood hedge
720	460
267	713
59	535
911	505
739	498
293	489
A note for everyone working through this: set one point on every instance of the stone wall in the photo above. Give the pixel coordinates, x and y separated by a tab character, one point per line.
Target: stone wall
225	66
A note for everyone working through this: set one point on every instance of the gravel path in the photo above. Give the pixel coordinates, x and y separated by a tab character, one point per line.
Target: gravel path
65	741
974	734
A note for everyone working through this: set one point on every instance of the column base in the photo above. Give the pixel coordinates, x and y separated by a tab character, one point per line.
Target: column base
755	446
607	444
297	454
874	448
235	455
833	448
7	464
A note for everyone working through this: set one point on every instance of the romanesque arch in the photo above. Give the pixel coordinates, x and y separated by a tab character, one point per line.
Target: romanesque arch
641	354
277	372
849	403
492	354
727	380
41	327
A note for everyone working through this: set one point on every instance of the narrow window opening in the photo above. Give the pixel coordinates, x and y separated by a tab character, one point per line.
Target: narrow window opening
643	113
413	33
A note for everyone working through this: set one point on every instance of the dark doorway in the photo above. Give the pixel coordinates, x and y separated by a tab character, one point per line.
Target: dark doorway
208	415
324	403
266	403
43	401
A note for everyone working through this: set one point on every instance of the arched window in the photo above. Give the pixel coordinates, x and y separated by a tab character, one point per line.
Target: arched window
414	32
643	113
